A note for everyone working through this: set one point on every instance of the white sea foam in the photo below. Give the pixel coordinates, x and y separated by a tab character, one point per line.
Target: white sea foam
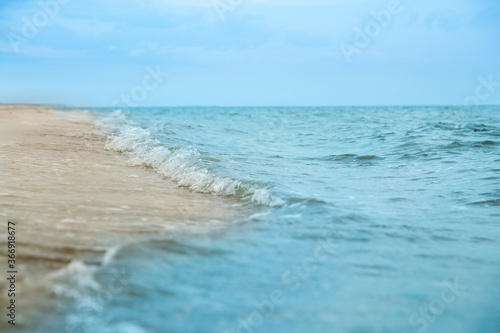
183	165
78	286
77	274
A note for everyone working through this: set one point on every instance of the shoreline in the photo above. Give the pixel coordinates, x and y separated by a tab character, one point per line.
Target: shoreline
71	199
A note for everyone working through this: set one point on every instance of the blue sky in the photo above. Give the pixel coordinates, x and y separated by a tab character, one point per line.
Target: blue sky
250	52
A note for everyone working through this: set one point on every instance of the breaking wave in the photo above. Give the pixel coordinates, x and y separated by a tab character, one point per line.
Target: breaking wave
185	165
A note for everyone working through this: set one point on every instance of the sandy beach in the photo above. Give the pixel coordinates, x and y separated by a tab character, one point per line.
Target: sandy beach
72	199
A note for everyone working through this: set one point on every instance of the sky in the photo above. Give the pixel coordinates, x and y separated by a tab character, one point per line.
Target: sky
250	52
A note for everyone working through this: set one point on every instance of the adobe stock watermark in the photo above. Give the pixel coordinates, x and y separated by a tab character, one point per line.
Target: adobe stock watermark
484	91
151	81
363	36
426	315
89	308
223	6
31	26
291	280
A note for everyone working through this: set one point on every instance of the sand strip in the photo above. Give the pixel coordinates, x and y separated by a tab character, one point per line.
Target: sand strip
69	197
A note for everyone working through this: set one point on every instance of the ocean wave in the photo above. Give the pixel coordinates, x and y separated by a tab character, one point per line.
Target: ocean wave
186	166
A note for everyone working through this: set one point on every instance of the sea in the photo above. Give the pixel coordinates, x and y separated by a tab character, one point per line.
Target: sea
347	219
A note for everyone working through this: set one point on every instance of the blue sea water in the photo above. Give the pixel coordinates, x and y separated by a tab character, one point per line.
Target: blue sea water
349	220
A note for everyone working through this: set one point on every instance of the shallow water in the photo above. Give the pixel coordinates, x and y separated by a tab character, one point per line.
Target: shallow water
354	220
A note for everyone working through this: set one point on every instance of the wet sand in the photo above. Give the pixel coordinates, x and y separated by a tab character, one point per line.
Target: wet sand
72	199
